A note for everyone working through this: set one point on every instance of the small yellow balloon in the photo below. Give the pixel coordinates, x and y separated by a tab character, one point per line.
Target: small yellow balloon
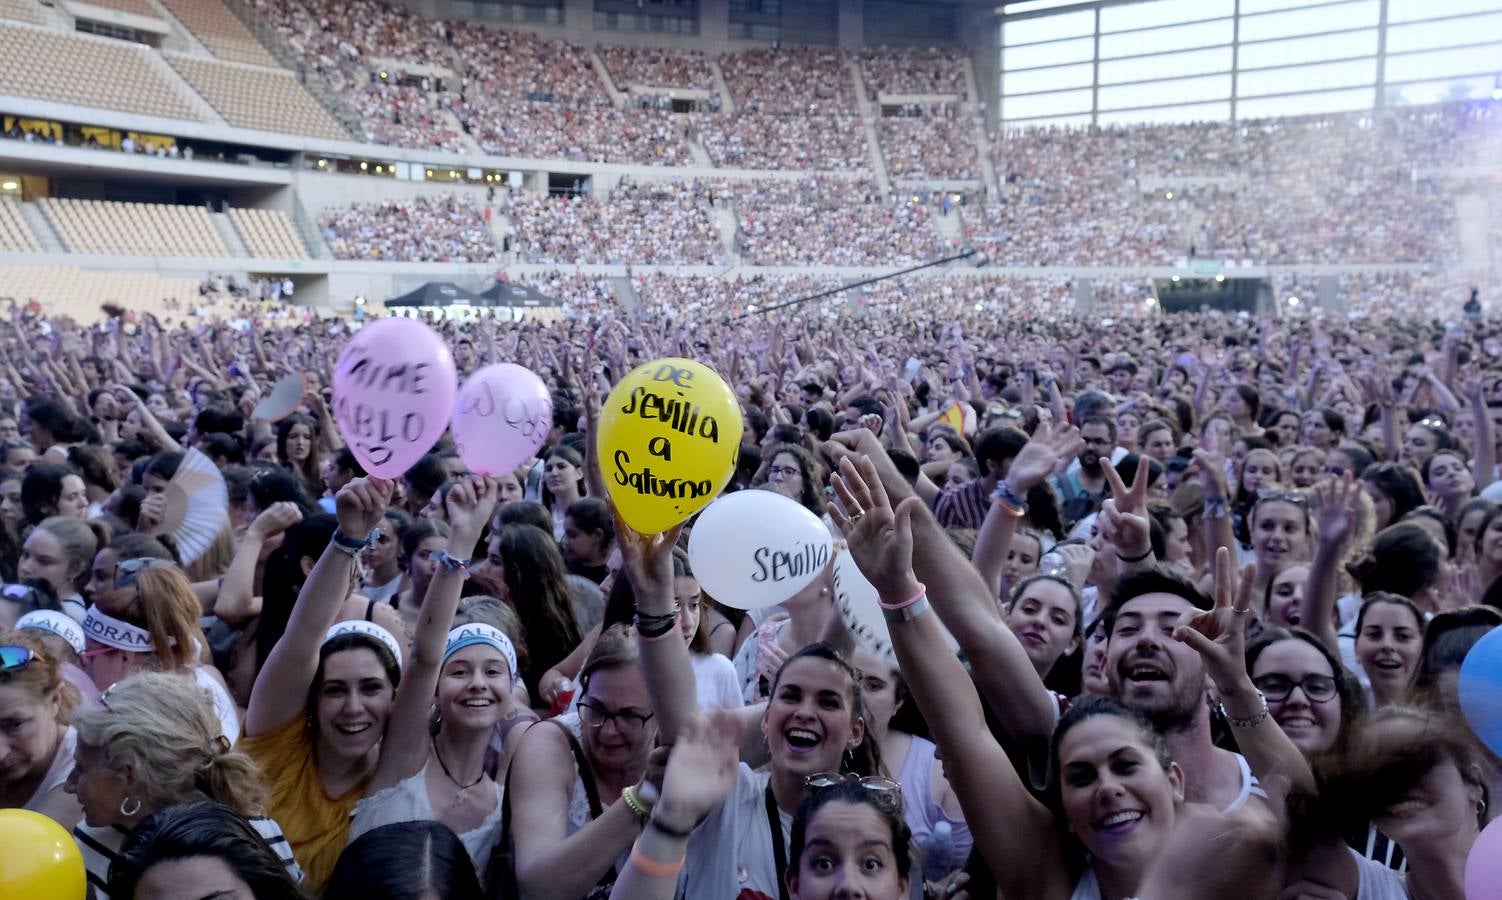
669	440
39	860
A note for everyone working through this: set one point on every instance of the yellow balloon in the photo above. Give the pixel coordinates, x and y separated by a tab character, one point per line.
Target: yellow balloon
39	860
669	440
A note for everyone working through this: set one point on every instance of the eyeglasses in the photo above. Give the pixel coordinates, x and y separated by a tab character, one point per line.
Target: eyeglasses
884	790
1297	498
784	471
12	657
1434	424
1318	688
127	571
627	722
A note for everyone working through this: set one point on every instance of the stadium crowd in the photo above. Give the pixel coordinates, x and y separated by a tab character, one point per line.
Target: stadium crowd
1113	517
829	221
429	228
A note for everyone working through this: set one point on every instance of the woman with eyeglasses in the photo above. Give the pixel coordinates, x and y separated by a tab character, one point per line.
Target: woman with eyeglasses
577	792
37	743
793	473
152	742
467	674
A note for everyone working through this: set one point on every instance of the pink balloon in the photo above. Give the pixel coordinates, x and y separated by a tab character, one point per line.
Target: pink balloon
503	415
1483	865
394	389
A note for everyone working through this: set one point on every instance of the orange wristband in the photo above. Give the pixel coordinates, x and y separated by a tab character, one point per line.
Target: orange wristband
654	869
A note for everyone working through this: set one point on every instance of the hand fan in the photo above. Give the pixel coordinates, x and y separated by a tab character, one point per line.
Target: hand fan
197	506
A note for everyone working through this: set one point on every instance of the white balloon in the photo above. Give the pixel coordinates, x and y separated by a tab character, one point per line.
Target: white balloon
754	549
860	609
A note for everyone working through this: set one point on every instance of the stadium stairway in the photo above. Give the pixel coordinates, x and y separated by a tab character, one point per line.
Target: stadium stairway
617	97
289	60
724	220
949	227
983	148
727	102
868	120
229	234
201	106
41	229
625	292
1472	222
696	150
453	122
180	31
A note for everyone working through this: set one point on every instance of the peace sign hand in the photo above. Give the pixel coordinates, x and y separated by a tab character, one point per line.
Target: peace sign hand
880	538
1218	635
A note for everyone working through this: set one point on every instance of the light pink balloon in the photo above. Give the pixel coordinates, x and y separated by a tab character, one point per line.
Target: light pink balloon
503	415
1483	865
394	390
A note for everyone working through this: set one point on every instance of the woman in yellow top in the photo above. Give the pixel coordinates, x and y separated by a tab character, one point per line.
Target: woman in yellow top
320	705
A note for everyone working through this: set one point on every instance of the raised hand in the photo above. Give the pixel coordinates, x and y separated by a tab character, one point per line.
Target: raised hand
467	509
1210	464
1335	509
648	561
1050	444
880	538
274	519
1218	635
701	770
1128	499
360	506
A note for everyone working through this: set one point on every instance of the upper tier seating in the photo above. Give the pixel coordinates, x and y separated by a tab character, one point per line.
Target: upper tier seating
14	235
263	99
85	71
218	30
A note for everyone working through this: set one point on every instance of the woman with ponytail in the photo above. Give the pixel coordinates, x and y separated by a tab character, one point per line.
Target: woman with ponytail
153	741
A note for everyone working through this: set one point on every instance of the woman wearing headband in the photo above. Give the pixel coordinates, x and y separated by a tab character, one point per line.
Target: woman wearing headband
152	742
64	641
471	667
154	628
36	741
320	706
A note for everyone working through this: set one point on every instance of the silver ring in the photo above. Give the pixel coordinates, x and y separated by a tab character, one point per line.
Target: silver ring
857	516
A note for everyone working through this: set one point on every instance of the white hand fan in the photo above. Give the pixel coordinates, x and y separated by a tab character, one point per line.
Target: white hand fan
196	506
283	400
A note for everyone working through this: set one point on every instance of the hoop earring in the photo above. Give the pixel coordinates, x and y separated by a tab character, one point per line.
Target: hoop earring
127	813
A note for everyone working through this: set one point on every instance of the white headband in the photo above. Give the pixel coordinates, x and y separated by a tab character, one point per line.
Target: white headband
113	632
53	622
479	633
369	629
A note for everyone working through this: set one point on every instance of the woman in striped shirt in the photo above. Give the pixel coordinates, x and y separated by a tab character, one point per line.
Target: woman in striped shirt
153	741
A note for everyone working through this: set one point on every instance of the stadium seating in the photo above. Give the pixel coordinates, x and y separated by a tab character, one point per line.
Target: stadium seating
14	235
657	67
218	30
79	294
142	8
834	142
269	234
913	72
253	97
144	229
795	80
930	147
21	11
85	71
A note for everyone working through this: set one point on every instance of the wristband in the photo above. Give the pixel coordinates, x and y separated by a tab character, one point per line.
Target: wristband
1136	559
896	615
652	868
1251	722
655	825
651	626
1215	508
922	592
350	546
1012	504
450	562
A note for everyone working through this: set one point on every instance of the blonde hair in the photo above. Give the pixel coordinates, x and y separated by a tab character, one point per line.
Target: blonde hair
163	727
166	606
80	540
42	677
216	559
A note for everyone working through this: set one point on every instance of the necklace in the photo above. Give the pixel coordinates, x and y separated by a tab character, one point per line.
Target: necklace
459	797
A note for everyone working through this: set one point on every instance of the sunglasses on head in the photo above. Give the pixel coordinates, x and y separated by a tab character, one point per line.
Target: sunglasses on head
1297	498
128	571
884	790
12	657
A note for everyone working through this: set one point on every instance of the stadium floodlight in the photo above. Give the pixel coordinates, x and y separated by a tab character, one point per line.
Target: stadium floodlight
1022	6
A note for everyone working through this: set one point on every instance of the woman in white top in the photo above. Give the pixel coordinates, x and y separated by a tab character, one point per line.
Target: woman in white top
714	675
36	742
471	668
153	741
60	551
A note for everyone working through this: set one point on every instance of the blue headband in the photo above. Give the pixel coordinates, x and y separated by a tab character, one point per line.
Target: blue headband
479	633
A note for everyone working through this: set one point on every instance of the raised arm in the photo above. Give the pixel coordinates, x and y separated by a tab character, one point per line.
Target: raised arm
404	750
1211	467
665	662
282	687
1015	833
1335	518
237	601
1485	465
1219	637
1031	467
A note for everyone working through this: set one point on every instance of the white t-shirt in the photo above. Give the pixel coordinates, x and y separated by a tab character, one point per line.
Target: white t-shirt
731	851
224	704
57	773
717	684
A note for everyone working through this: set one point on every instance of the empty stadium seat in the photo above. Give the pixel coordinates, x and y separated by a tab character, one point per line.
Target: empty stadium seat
147	229
269	234
21	11
218	30
14	235
263	99
79	294
85	71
